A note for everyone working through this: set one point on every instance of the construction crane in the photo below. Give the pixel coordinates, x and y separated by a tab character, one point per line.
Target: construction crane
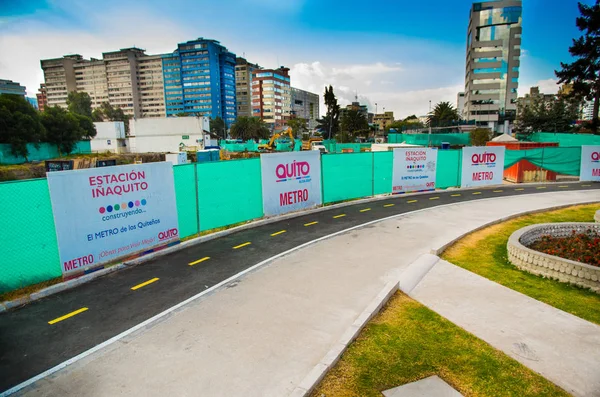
270	147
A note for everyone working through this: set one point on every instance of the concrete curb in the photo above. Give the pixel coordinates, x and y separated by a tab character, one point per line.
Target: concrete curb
66	285
310	381
444	247
416	271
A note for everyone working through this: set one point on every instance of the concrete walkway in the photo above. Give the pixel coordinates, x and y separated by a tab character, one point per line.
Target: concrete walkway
563	348
263	334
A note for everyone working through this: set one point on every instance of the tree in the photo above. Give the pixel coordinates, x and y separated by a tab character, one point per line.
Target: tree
106	112
443	114
547	114
298	126
249	128
410	123
354	123
19	124
64	128
329	125
480	136
218	128
79	103
584	72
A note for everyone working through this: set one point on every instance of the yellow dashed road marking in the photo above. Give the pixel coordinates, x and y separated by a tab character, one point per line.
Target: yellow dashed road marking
339	216
389	205
66	316
277	233
144	283
365	210
199	261
434	198
411	201
242	245
311	223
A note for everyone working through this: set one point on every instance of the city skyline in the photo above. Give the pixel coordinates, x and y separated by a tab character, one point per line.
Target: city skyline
401	63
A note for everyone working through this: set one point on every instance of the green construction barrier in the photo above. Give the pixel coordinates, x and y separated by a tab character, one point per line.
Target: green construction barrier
433	139
565	140
562	160
383	163
347	176
28	248
447	172
43	152
185	193
229	192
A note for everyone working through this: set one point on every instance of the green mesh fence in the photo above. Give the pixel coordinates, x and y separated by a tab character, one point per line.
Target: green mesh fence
185	193
347	176
562	160
383	163
434	139
229	192
28	247
447	172
565	140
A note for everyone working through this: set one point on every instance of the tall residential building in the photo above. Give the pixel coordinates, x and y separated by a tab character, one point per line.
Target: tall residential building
42	98
199	78
587	110
493	60
534	93
305	105
356	106
59	77
243	86
271	96
460	104
11	87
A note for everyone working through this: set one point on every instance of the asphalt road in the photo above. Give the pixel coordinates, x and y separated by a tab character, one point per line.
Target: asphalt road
103	308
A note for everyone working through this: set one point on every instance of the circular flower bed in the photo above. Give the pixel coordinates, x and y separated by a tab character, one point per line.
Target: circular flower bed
581	247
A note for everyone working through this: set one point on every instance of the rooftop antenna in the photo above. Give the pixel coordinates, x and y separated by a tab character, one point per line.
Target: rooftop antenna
356	95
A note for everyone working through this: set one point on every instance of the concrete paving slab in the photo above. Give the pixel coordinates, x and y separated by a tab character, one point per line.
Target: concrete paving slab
432	386
563	348
262	336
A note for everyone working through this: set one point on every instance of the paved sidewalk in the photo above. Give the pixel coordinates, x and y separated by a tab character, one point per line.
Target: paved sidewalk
563	348
263	334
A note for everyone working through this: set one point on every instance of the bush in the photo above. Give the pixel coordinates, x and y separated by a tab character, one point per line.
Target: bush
480	136
580	247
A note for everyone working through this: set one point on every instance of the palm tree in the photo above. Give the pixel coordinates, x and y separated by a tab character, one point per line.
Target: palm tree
443	114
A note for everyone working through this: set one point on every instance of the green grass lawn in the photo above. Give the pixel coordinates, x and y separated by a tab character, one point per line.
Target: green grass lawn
484	253
406	342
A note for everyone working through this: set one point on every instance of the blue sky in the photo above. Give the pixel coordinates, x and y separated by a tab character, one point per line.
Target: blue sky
399	54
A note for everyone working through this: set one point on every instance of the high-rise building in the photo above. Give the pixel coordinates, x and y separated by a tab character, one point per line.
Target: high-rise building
243	86
534	94
587	110
363	109
493	60
305	105
42	98
271	96
197	78
11	87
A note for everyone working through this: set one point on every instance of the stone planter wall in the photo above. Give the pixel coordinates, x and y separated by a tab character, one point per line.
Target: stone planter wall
551	266
597	216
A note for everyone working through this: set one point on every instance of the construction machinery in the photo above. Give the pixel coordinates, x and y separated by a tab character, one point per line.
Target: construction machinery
270	146
308	145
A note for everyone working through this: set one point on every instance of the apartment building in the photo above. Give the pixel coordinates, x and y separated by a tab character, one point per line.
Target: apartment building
243	86
59	78
492	63
198	78
271	96
383	120
11	87
305	105
42	98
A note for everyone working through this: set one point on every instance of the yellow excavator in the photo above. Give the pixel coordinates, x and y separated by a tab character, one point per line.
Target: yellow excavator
270	147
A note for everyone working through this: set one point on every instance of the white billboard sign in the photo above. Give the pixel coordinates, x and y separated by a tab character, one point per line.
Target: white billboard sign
482	166
290	181
414	169
590	163
102	214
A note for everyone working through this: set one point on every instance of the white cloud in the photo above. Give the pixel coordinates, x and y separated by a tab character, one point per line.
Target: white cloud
548	86
22	49
373	83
